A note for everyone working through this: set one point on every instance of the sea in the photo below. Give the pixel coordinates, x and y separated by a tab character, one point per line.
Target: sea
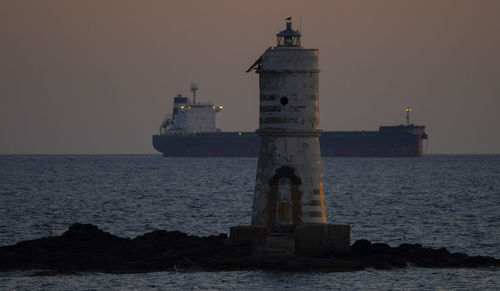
450	201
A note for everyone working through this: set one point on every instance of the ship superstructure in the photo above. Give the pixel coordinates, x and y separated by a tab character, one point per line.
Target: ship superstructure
190	117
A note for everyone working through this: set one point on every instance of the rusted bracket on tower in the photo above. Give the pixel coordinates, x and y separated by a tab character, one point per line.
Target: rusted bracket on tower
256	65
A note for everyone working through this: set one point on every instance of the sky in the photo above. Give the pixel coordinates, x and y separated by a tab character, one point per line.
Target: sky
98	76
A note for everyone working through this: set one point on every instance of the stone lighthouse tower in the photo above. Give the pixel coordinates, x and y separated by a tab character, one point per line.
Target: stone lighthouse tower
289	187
288	212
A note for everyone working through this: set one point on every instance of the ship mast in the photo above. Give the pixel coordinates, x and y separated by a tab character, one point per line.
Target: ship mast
194	88
408	110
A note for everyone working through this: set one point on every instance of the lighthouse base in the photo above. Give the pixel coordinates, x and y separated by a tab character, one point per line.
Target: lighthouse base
305	239
322	238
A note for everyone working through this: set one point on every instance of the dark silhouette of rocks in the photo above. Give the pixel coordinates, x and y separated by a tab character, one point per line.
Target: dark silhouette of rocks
383	256
86	248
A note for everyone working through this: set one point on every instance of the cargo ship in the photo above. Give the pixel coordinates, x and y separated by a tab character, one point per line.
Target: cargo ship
190	131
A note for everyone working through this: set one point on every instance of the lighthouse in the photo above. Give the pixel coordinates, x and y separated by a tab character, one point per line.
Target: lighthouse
289	187
288	211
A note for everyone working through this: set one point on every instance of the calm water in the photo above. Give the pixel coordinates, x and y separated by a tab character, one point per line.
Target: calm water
451	201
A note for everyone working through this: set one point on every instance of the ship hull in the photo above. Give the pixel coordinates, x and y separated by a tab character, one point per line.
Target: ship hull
389	141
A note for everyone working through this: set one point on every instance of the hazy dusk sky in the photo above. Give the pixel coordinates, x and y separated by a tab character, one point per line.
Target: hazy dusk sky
85	77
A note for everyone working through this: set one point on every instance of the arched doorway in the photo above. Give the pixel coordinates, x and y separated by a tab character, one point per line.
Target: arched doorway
284	203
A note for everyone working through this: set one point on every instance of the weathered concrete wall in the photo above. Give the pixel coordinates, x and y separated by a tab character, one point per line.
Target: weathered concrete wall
294	160
291	76
316	238
295	59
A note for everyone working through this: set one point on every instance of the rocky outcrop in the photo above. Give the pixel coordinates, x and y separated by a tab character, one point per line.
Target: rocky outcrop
381	255
86	248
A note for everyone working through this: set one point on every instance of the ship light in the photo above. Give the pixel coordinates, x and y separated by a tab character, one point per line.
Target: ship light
408	109
182	107
189	107
220	107
213	107
239	133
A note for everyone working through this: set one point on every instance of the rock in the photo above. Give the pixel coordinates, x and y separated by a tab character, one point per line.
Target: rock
380	249
55	273
361	247
86	248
